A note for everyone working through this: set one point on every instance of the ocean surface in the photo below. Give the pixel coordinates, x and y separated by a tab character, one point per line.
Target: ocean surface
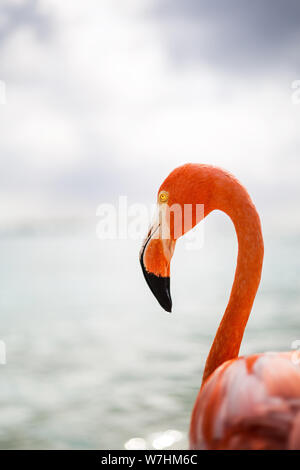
93	362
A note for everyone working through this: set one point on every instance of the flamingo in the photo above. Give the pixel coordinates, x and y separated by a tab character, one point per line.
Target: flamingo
248	402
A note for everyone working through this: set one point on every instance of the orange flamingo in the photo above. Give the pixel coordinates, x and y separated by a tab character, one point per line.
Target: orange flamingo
248	402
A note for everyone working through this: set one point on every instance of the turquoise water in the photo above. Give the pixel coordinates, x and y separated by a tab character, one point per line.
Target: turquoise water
93	361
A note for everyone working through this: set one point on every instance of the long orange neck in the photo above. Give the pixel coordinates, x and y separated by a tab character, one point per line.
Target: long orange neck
232	198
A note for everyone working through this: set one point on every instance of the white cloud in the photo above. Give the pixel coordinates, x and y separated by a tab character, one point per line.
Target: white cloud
99	94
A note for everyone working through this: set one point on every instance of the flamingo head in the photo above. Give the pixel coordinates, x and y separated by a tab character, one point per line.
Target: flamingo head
179	197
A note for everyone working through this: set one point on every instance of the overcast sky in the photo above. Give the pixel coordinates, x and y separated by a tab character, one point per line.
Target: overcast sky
106	97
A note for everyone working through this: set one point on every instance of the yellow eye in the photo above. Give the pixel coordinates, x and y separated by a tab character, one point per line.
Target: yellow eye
163	196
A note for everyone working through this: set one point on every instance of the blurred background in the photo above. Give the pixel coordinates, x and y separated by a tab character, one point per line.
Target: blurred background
104	98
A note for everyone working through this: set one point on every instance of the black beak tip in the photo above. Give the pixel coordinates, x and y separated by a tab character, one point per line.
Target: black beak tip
160	287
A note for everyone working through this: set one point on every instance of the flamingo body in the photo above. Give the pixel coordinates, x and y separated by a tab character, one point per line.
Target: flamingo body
249	403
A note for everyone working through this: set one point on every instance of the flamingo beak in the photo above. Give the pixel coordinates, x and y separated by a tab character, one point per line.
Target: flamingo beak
155	256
